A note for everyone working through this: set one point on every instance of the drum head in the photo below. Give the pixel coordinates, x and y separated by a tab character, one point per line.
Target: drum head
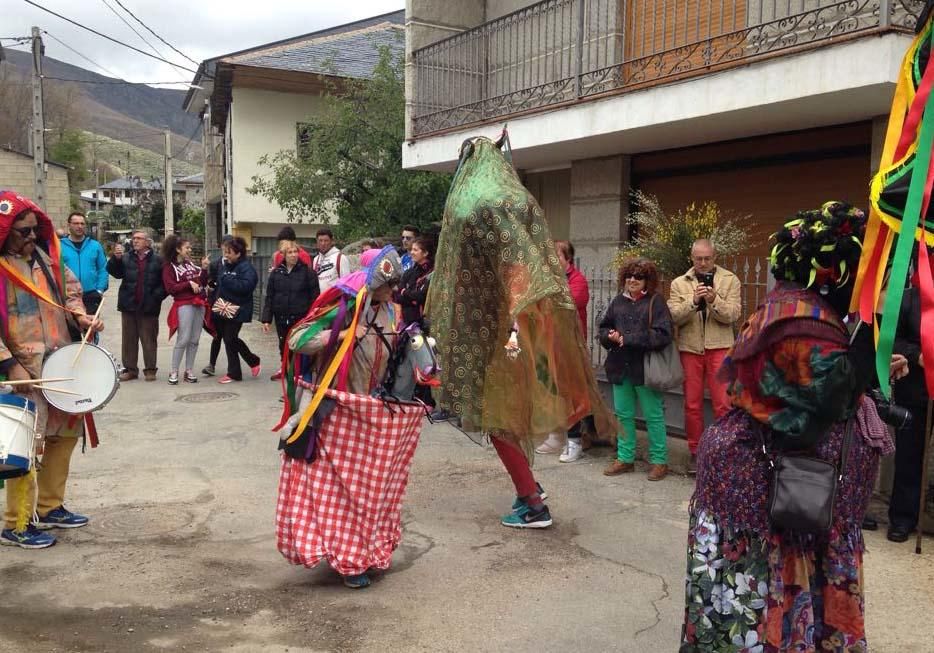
94	377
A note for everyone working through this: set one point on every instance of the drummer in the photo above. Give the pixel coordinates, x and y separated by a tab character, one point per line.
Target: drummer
40	310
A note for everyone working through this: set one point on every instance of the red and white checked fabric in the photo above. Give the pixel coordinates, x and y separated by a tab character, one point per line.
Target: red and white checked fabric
346	506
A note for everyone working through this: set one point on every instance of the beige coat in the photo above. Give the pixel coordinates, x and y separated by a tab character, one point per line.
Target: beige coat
695	334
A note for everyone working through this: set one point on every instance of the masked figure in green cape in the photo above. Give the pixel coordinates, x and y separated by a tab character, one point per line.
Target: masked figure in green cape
514	362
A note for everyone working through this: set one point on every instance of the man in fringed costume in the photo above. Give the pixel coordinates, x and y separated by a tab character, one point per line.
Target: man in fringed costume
514	364
40	300
346	453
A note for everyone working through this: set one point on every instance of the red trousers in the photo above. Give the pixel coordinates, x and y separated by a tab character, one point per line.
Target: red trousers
517	465
701	369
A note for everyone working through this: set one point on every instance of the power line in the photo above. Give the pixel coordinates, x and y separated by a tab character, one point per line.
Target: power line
136	18
109	81
52	36
124	20
109	38
190	141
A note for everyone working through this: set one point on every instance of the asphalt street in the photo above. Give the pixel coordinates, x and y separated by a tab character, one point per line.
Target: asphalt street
180	554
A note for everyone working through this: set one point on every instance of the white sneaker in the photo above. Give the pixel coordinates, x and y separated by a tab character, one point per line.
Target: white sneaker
554	444
572	452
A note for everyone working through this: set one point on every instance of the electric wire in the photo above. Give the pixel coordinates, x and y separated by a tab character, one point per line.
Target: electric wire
109	38
137	19
133	29
85	57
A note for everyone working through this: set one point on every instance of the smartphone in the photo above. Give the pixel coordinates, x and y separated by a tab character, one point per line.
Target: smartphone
705	278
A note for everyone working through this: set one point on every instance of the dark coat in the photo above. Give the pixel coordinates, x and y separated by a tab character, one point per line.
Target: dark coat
131	298
289	294
631	319
910	390
413	291
235	284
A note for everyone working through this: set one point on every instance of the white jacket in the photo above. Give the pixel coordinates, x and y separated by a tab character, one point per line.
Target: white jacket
330	266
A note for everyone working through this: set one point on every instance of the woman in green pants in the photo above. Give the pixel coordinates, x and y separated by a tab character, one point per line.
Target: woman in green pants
627	331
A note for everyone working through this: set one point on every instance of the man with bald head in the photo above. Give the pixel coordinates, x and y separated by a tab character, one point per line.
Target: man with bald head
705	303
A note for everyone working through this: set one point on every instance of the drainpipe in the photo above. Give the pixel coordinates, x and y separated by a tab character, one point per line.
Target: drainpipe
580	48
885	13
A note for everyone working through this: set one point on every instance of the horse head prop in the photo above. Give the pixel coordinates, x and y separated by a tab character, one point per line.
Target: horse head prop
414	364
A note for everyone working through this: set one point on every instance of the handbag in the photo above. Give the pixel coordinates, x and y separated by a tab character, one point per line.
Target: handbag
662	368
802	488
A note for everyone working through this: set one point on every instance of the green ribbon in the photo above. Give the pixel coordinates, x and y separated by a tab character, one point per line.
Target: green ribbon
902	257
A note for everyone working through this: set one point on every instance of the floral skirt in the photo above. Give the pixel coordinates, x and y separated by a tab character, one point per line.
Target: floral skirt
762	595
752	589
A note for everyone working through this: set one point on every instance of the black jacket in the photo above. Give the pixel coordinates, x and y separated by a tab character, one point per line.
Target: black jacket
631	319
413	291
910	390
235	284
289	294
130	299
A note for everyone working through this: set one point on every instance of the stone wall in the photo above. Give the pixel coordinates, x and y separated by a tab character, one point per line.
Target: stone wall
16	174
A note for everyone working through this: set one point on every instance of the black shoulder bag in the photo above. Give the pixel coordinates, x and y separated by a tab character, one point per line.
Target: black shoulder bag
802	488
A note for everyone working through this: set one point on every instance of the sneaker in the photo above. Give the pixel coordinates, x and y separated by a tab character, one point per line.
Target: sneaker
356	582
518	504
61	517
226	379
276	376
31	538
692	465
572	452
189	377
554	444
208	370
173	378
528	518
256	369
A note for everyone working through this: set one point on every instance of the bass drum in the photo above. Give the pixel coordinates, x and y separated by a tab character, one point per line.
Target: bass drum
95	378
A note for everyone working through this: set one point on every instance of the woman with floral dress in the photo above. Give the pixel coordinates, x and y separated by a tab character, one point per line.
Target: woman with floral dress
796	376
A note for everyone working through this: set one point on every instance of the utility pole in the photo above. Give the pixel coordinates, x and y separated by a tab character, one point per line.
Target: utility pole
38	119
169	221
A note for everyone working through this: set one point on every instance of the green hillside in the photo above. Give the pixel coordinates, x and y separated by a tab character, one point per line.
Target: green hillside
122	158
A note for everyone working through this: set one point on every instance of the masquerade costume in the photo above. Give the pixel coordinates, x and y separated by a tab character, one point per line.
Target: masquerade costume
346	453
498	284
795	377
36	295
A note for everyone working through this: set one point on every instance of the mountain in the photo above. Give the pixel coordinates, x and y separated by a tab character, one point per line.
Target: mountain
132	113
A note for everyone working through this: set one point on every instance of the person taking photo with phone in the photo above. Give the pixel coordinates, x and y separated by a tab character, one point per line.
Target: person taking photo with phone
705	303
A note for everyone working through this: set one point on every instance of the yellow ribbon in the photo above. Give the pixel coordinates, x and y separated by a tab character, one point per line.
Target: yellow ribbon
325	382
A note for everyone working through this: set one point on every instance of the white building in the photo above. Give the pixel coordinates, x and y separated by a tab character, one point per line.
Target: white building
255	102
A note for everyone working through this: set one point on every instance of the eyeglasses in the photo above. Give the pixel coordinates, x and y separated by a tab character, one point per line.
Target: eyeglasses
408	238
637	276
25	231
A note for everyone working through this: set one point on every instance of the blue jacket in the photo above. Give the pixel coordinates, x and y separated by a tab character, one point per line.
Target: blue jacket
235	284
88	263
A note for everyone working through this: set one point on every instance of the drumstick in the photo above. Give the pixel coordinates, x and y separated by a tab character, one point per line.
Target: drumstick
28	381
51	389
90	330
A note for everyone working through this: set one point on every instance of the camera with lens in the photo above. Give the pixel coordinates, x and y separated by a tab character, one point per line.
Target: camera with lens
892	414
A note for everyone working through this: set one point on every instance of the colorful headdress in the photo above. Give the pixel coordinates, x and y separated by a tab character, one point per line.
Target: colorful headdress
12	205
385	268
820	249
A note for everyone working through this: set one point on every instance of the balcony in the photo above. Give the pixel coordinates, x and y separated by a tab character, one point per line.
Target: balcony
562	52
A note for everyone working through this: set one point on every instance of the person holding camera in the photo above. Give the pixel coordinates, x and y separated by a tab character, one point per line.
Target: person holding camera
910	394
705	303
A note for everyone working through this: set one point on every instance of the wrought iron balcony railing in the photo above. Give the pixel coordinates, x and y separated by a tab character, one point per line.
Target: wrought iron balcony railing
563	51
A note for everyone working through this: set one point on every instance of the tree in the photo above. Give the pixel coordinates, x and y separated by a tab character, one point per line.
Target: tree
350	162
67	147
192	223
156	218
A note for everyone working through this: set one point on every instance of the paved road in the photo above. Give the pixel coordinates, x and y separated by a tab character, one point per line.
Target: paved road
180	554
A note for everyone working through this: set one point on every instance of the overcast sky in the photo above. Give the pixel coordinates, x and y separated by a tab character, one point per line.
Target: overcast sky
200	28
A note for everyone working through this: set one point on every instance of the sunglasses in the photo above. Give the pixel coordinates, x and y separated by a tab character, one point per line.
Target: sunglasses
637	276
25	231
